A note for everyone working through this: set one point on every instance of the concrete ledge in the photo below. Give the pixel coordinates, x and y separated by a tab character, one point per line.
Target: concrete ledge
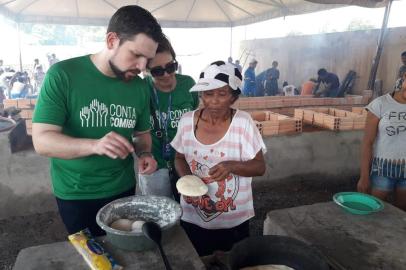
328	153
362	242
63	256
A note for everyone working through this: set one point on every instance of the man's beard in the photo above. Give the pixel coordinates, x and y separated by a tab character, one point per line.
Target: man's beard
121	74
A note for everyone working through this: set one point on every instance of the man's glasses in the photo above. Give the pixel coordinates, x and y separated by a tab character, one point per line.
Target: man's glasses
160	71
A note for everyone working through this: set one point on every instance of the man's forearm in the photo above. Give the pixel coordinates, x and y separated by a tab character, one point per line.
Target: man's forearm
58	145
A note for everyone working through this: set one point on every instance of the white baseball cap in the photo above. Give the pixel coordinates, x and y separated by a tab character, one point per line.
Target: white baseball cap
218	74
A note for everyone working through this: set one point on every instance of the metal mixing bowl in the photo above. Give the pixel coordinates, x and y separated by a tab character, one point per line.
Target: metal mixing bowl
162	210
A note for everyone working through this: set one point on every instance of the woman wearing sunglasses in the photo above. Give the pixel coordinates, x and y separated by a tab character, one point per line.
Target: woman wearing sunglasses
169	100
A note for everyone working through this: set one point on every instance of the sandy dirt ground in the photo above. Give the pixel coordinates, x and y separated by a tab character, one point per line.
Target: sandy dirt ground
20	232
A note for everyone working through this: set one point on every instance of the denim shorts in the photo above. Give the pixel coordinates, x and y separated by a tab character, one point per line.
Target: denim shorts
387	177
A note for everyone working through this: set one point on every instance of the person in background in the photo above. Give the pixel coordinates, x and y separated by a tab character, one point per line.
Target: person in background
36	64
88	110
2	96
402	70
170	99
288	89
238	65
383	167
271	80
230	60
38	76
331	84
249	79
52	59
20	85
5	80
308	87
224	148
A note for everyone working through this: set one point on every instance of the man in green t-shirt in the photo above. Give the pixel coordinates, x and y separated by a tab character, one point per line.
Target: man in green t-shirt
87	112
170	99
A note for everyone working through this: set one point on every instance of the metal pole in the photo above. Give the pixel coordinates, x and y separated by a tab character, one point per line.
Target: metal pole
231	41
382	35
19	46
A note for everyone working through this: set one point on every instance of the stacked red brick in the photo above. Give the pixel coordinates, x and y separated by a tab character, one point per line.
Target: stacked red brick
270	123
286	104
331	118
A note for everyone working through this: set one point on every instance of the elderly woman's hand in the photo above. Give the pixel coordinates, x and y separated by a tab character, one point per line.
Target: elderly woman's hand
221	171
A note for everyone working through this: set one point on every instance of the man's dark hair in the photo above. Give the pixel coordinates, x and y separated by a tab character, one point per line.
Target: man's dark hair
129	21
403	54
322	72
165	46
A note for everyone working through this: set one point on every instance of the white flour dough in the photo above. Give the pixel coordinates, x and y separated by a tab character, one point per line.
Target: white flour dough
122	224
137	226
191	185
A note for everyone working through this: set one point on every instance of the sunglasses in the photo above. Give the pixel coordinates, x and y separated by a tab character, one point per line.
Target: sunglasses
160	71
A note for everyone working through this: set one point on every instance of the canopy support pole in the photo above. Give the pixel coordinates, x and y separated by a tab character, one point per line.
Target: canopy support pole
19	46
231	41
382	36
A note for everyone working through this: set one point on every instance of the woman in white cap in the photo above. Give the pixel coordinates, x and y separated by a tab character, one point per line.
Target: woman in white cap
223	147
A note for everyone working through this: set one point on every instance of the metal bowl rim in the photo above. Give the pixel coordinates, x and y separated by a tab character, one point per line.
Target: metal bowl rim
109	230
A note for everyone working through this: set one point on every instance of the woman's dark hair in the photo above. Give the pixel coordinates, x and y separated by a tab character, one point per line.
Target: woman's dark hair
165	46
129	21
235	93
403	54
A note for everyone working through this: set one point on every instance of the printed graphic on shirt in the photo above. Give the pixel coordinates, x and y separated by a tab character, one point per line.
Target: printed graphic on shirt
221	195
98	114
397	123
174	117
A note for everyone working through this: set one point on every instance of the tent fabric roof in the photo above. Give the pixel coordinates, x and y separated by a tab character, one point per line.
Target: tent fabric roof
170	13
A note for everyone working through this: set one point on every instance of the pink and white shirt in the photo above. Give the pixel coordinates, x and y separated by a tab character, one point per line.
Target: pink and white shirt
228	203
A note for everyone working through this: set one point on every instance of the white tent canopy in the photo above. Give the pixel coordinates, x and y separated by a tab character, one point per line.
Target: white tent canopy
170	13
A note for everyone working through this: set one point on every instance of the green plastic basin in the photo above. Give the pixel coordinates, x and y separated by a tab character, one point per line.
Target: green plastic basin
358	203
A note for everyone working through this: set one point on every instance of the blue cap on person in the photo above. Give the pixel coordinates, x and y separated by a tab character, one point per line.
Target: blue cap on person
218	74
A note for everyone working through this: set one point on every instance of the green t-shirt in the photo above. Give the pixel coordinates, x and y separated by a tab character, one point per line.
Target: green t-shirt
182	101
87	104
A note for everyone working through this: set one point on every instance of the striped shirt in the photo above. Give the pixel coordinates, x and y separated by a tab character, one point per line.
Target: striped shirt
228	203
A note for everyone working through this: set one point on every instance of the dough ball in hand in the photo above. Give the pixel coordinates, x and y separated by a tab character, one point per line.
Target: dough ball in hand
191	185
